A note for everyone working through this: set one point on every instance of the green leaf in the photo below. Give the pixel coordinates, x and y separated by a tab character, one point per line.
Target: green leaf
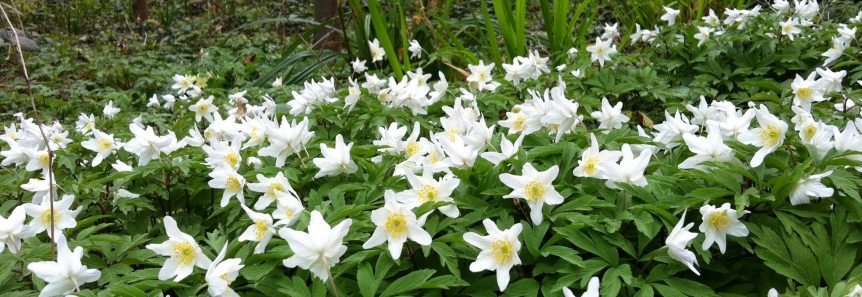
408	282
523	287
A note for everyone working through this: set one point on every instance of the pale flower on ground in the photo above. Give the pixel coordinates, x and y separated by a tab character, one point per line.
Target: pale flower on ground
811	186
278	82
678	239
630	170
601	51
63	217
592	289
232	182
499	250
260	231
670	15
535	187
703	35
830	81
377	52
480	75
507	150
806	91
709	148
720	222
13	230
65	275
834	52
335	160
395	224
768	137
183	251
670	131
855	292
358	66
318	249
789	29
610	117
204	108
415	49
270	187
221	273
110	111
425	188
102	143
591	157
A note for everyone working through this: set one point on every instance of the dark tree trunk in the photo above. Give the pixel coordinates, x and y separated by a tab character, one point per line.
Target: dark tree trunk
326	38
140	10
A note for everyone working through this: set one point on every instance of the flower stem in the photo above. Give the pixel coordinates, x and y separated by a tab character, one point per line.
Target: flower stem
331	279
199	289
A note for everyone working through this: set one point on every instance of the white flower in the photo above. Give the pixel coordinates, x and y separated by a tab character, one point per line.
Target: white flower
146	144
630	170
703	35
65	275
84	125
395	224
377	52
119	166
183	251
535	187
610	117
110	111
677	240
352	96
232	183
154	101
768	137
221	273
856	292
720	222
415	49
591	157
507	150
711	19
318	249
789	29
286	139
440	88
499	250
611	32
358	66
834	52
103	144
63	217
670	15
335	160
13	230
287	209
427	189
709	148
592	289
270	187
772	292
260	231
830	81
670	131
277	83
123	193
806	91
811	186
480	75
204	108
601	51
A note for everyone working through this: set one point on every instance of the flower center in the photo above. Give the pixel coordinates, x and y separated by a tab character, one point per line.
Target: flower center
432	158
104	144
427	193
788	28
518	125
232	159
396	225
275	187
44	160
503	251
232	184
288	213
591	167
184	254
45	217
412	149
719	221
769	135
535	190
804	93
452	133
203	108
553	127
809	132
261	229
600	50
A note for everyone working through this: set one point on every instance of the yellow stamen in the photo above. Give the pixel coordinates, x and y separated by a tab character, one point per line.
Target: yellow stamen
396	225
534	190
427	193
502	251
184	254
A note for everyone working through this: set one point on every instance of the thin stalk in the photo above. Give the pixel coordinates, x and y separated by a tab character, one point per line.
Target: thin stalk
41	130
329	272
